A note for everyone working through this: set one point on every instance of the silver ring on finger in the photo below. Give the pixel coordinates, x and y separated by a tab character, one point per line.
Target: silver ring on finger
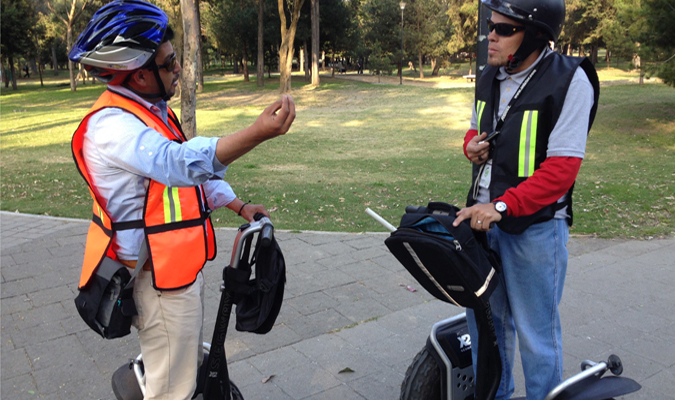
479	222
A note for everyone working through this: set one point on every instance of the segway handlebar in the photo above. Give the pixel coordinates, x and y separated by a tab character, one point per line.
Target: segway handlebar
381	220
245	234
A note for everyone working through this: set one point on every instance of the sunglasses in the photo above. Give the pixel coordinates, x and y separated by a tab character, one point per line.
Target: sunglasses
503	29
170	65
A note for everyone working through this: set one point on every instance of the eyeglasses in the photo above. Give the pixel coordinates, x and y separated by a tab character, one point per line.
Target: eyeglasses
170	65
504	29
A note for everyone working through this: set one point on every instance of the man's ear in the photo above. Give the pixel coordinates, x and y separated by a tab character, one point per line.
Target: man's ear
139	78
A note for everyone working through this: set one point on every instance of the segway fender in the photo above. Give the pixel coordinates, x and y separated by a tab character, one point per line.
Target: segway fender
125	385
450	344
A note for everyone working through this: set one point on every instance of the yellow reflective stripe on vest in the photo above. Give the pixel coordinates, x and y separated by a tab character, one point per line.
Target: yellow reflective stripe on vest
172	211
480	106
528	143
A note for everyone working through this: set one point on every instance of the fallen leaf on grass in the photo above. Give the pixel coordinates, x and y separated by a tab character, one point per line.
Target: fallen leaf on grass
273	209
266	379
346	370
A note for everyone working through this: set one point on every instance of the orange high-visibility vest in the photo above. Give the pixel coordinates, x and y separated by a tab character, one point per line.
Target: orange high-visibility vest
176	221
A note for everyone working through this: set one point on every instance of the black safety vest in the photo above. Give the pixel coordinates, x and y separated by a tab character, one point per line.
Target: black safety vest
521	146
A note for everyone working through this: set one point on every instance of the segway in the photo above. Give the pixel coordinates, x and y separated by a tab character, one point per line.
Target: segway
213	382
443	369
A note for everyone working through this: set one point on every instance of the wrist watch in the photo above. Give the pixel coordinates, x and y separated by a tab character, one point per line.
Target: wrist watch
501	208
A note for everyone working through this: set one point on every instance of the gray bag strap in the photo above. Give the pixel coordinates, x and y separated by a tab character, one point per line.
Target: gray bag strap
142	258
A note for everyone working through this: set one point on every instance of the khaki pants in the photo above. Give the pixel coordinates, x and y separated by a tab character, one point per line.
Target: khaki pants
169	327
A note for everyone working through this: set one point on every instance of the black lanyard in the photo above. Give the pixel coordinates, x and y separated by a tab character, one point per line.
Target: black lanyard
495	96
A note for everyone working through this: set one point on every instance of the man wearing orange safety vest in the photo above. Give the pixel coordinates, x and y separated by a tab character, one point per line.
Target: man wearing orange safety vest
152	187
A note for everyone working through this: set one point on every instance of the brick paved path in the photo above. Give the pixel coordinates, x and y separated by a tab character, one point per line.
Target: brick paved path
344	307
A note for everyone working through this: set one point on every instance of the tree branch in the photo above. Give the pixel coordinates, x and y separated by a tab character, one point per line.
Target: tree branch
671	57
282	17
49	5
77	15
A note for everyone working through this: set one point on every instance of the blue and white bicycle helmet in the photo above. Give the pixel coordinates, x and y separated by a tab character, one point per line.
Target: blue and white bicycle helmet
122	36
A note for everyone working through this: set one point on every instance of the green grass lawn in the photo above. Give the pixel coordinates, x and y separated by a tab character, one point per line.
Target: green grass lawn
355	145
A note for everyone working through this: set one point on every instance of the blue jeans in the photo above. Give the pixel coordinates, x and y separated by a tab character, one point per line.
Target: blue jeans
525	303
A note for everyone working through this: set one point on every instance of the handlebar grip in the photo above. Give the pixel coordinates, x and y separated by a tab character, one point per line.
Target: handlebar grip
258	216
267	235
412	209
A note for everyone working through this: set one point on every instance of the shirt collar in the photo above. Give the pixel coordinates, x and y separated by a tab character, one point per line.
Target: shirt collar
159	108
519	77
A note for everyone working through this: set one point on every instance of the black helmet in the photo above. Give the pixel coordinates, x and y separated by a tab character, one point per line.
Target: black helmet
548	15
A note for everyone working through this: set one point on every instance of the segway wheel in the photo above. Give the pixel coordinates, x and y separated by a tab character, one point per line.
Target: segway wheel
124	384
234	391
422	379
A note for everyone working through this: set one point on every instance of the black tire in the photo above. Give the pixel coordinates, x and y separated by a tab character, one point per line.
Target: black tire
422	379
234	390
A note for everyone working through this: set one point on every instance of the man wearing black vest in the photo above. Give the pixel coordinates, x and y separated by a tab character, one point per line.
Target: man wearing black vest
533	110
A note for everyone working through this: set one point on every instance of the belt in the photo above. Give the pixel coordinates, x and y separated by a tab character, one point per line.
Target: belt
132	264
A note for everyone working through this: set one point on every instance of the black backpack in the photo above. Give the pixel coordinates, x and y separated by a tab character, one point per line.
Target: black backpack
455	265
258	299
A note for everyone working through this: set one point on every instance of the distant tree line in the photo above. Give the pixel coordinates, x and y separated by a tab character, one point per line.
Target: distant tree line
277	35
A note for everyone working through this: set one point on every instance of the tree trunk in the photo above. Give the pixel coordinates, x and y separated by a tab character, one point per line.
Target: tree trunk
305	61
189	81
301	63
470	64
323	61
178	48
287	47
33	66
435	66
421	61
54	62
71	65
607	57
245	63
200	62
260	70
81	74
315	42
12	73
5	73
594	54
40	73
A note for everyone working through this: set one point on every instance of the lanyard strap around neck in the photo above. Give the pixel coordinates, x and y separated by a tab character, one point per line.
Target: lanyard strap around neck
495	91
